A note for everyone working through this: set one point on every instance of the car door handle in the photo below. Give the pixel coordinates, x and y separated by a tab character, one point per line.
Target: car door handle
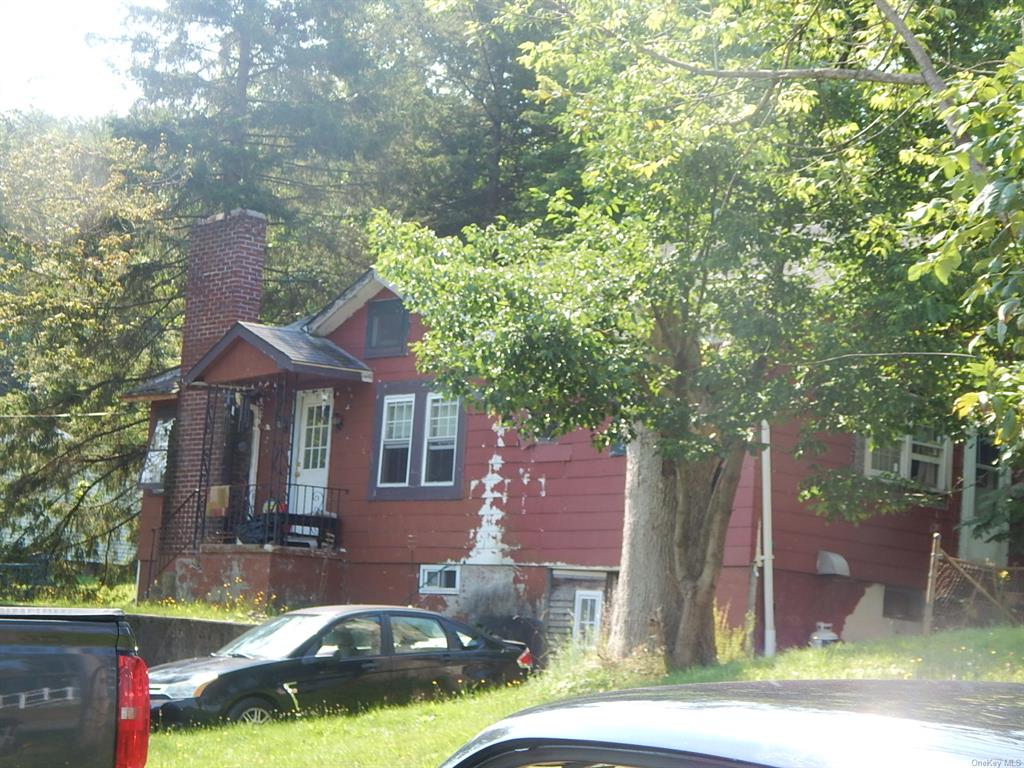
446	657
369	666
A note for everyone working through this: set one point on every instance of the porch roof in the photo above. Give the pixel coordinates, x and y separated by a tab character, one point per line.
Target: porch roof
162	386
292	349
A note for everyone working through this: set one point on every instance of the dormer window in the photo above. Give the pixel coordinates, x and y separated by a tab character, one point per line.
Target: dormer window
387	328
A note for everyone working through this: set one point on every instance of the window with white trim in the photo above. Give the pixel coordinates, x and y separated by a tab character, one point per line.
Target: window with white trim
155	464
439	440
439	579
923	458
396	440
586	617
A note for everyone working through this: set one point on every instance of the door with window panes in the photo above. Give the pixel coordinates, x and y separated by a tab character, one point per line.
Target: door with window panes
311	449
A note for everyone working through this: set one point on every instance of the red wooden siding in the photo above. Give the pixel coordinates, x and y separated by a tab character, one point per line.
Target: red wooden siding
239	362
890	550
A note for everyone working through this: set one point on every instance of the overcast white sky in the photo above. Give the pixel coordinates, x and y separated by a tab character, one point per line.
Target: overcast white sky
46	62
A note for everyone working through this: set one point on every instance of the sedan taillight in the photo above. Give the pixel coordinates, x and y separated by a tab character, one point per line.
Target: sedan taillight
525	660
132	744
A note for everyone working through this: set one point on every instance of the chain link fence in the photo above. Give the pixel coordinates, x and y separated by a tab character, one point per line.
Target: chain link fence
962	593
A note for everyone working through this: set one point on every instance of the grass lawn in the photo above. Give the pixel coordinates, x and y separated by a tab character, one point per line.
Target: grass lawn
122	596
422	735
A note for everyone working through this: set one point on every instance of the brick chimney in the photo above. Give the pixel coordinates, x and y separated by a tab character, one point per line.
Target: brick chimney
225	279
224	285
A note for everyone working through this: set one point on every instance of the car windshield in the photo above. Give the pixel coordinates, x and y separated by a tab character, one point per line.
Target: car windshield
277	638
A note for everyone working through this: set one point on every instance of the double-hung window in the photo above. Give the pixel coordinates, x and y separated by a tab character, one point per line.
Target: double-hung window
442	424
396	440
923	458
420	440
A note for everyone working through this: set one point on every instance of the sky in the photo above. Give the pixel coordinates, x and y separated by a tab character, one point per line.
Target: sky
47	63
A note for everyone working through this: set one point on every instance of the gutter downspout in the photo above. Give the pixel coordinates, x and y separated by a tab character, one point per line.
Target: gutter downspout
766	532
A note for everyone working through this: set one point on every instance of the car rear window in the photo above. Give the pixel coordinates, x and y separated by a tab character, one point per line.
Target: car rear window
417	634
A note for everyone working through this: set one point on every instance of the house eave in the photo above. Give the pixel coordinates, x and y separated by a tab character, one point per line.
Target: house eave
240	332
351	300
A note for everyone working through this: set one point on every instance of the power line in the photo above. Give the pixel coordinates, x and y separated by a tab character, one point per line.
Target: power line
93	415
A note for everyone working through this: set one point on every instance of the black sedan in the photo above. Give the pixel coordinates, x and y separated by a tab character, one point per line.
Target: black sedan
795	724
332	657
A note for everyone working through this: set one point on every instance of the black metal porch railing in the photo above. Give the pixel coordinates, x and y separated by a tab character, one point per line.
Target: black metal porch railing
283	514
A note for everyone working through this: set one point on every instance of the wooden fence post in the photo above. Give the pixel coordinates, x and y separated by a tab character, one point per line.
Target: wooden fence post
929	595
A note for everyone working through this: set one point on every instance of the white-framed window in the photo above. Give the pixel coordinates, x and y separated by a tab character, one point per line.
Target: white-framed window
586	617
983	477
442	428
396	440
924	458
155	464
440	579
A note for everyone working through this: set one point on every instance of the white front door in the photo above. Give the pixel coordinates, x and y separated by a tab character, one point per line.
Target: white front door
311	450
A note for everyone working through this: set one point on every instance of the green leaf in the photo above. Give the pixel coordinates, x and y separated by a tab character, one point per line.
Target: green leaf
917	271
946	264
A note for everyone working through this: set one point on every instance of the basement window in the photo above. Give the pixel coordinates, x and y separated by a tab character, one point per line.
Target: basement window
439	579
903	603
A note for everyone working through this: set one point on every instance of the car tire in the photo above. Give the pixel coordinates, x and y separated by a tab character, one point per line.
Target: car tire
252	710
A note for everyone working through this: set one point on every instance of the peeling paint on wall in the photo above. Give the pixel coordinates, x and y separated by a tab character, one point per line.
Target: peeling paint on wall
489	547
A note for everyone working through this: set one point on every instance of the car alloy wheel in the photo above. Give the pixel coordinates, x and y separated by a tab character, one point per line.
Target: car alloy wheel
252	711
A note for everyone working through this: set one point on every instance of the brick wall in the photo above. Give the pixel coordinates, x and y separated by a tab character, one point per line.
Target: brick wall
224	285
225	279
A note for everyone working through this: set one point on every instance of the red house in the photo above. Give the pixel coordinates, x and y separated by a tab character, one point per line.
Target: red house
312	462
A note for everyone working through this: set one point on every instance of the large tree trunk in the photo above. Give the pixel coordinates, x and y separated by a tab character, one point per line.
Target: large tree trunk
676	517
704	496
646	604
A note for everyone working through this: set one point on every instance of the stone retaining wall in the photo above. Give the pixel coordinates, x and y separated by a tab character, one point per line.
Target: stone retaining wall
166	638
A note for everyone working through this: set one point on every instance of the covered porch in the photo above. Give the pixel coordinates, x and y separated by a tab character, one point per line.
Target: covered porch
263	481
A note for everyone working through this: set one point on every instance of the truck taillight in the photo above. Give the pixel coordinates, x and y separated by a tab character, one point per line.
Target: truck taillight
525	660
132	712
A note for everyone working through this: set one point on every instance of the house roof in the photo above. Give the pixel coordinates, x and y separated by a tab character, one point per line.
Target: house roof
162	386
368	285
292	349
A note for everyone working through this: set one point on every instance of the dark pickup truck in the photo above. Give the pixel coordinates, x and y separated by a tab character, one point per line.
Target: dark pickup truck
73	691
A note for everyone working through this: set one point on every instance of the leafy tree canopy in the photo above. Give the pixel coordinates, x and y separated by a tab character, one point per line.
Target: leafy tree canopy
741	255
89	307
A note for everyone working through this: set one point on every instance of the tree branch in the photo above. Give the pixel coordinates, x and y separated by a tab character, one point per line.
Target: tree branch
809	73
